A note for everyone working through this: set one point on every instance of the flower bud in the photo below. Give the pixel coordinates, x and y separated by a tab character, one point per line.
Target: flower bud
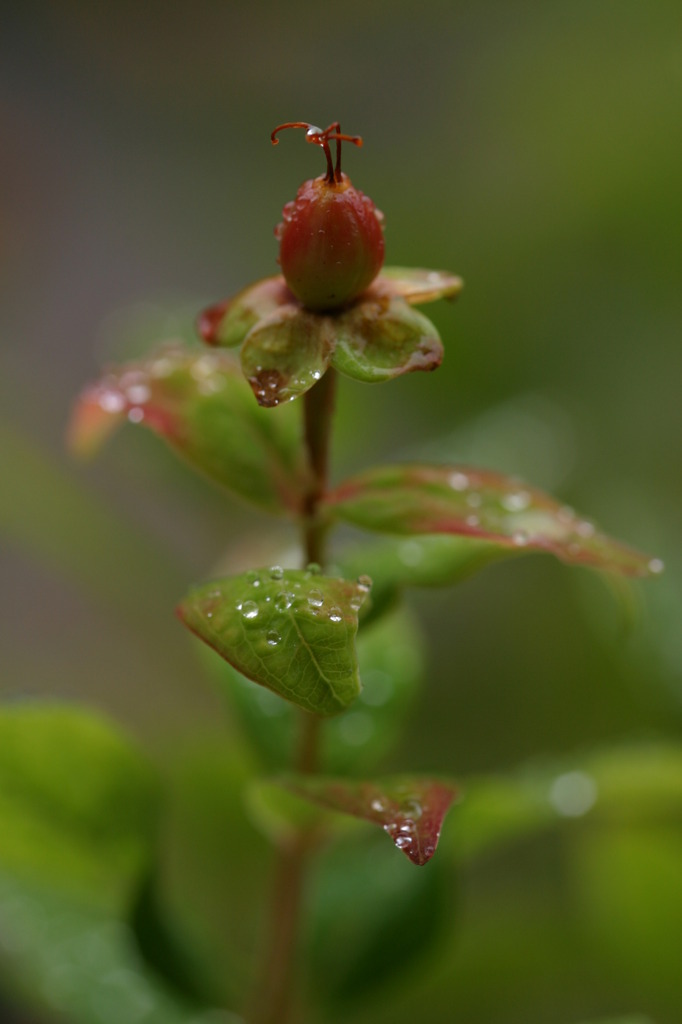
331	236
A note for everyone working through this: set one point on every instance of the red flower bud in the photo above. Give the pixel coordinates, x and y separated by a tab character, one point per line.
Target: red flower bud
331	237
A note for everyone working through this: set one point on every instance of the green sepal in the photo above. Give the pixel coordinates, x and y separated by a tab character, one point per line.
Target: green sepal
377	340
417	285
227	323
286	353
291	631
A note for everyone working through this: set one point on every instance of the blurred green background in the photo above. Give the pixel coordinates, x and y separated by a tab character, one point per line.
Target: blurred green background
534	149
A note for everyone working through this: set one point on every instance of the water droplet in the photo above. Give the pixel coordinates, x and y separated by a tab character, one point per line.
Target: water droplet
315	598
136	415
111	401
520	538
138	394
585	529
273	637
313	568
472	521
656	565
365	583
407	827
573	794
474	500
515	501
378	805
402	842
276	572
249	609
356	602
458	481
251	576
283	601
335	614
413	808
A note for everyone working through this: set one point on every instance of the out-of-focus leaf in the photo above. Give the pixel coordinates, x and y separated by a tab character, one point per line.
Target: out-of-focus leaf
378	340
409	809
200	405
423	499
290	631
71	959
227	323
78	803
390	657
282	816
212	862
373	919
428	560
286	353
417	285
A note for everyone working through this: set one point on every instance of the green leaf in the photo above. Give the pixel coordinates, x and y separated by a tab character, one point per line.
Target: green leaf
78	803
373	920
410	809
422	499
286	353
377	340
200	405
391	658
227	323
416	285
81	964
290	631
434	560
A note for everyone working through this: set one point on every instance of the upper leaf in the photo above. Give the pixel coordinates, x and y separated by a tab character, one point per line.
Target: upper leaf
199	403
227	323
291	631
411	810
419	499
286	353
382	338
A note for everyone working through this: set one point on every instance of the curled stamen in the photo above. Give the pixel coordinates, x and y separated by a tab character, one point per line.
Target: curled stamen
322	137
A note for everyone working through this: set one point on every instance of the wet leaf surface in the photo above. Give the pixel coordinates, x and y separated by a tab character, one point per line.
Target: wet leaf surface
227	323
286	353
417	285
410	809
291	631
432	499
199	403
379	339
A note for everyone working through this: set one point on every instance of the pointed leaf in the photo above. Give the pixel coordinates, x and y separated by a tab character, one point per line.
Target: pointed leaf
410	810
292	632
379	339
477	503
227	323
417	285
200	405
286	353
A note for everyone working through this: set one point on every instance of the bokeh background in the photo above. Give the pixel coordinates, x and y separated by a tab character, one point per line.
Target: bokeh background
534	149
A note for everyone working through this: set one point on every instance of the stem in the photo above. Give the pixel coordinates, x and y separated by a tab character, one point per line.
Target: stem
275	999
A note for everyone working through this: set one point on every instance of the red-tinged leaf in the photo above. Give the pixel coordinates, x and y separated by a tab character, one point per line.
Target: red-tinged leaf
382	338
227	323
286	353
417	285
410	810
423	499
289	630
199	403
